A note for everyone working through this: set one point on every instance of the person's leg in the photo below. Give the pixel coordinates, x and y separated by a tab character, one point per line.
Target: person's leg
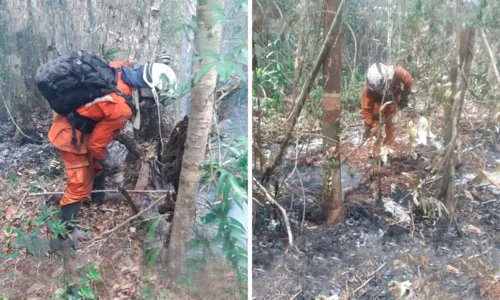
99	184
103	197
107	129
79	186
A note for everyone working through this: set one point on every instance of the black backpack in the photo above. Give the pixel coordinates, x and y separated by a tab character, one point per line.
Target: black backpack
71	81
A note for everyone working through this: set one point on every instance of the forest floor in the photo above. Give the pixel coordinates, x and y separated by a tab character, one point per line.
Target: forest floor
380	249
119	257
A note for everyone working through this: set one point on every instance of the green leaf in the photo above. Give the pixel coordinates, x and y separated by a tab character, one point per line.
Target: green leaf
224	70
152	229
204	70
238	71
209	218
13	255
87	293
220	183
152	256
236	223
94	274
208	56
225	199
19	232
239	193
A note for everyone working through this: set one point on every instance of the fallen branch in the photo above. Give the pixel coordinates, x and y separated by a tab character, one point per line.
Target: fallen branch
489	201
295	296
107	191
283	211
128	220
369	279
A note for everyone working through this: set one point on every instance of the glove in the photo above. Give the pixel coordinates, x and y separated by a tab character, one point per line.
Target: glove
113	170
366	134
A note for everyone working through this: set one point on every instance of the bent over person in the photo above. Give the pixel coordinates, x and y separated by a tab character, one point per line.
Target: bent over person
93	102
399	86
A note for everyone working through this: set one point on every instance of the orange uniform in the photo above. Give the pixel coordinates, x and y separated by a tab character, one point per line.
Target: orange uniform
371	101
111	112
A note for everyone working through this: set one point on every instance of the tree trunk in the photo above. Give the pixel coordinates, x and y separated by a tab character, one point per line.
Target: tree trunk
332	185
201	112
399	32
453	80
296	75
491	54
465	53
389	34
467	48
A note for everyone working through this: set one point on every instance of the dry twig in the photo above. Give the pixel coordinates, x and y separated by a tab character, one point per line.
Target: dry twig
128	220
283	211
369	279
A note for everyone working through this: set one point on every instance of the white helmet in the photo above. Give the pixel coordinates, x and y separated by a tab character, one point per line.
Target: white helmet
153	77
377	76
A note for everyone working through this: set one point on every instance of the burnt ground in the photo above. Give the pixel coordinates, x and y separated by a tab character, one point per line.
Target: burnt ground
120	257
372	249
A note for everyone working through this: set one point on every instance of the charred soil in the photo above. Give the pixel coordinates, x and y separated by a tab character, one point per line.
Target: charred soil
375	251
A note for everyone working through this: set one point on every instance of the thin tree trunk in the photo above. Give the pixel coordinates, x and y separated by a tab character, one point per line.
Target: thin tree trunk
329	39
465	49
201	115
332	185
298	66
490	53
399	31
453	80
389	35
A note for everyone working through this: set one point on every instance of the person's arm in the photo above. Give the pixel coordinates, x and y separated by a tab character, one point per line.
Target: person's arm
405	78
367	113
367	108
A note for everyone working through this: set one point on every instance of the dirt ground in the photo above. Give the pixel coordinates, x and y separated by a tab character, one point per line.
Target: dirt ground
374	252
119	257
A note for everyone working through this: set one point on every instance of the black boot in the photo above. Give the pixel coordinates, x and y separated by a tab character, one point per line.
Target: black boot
99	184
103	197
69	212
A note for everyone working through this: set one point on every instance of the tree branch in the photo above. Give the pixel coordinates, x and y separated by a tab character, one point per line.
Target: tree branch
128	220
283	211
492	56
131	144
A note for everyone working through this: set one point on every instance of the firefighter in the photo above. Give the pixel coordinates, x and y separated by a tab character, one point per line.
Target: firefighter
88	164
397	85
